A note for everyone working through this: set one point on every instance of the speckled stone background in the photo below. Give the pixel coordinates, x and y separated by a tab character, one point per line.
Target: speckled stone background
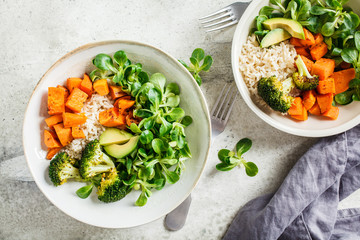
34	34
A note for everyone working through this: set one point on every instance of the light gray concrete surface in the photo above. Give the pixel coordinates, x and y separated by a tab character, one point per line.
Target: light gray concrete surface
34	34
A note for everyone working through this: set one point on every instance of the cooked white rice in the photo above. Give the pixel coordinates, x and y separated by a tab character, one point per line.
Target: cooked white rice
92	127
256	63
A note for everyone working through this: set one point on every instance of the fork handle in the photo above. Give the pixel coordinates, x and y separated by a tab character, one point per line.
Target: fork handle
176	219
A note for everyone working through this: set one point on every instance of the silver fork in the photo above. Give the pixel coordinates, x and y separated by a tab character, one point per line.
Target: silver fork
219	116
225	17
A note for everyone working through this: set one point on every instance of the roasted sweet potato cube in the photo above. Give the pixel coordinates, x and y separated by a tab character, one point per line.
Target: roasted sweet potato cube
303	51
73	119
124	104
326	86
86	85
296	107
52	152
342	79
73	83
318	51
324	101
308	63
111	118
77	132
64	134
302	117
56	99
296	42
116	92
324	68
309	39
130	119
101	87
332	113
309	99
53	120
315	110
65	90
50	139
318	38
76	100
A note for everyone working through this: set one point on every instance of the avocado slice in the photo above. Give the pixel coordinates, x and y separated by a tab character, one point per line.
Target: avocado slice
114	136
120	151
274	36
291	26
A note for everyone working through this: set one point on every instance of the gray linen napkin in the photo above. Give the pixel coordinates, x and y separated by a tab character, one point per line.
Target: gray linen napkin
305	205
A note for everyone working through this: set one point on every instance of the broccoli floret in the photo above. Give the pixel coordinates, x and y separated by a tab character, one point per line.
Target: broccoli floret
61	169
303	79
94	161
276	93
111	188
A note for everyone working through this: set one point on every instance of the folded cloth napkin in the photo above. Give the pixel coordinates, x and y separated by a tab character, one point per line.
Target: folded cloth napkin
305	205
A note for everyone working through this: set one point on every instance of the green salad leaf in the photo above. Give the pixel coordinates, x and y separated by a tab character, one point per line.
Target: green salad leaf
162	147
230	159
199	62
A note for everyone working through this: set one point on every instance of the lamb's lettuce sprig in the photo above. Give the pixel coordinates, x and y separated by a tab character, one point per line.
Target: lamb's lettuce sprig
230	159
120	70
198	62
162	147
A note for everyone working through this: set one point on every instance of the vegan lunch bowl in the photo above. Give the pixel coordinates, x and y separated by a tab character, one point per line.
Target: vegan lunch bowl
119	140
298	66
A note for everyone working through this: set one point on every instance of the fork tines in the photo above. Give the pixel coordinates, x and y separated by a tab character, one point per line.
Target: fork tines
219	19
224	104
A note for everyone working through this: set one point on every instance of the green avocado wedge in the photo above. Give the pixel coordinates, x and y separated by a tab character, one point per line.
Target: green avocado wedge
291	26
274	36
122	150
114	136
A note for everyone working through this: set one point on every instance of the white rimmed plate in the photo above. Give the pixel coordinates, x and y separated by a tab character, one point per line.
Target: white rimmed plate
124	213
315	126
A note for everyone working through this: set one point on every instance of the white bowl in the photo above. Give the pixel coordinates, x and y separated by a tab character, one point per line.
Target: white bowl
315	126
124	213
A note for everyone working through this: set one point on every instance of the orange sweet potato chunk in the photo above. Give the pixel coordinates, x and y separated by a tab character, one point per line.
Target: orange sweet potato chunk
50	139
130	119
342	79
52	152
324	68
318	38
124	104
73	83
315	110
332	113
86	85
77	132
326	86
116	92
302	117
324	101
64	134
76	100
73	119
56	99
296	42
111	118
318	51
53	120
309	39
296	107
309	99
101	87
308	63
303	51
65	90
